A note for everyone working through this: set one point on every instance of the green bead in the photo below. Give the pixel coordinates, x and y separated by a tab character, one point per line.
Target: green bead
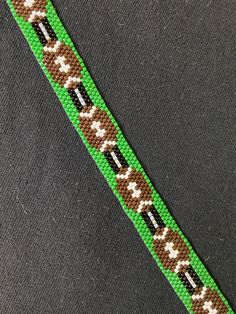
102	163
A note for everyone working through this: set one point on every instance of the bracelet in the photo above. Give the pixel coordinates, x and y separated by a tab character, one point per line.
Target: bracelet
103	138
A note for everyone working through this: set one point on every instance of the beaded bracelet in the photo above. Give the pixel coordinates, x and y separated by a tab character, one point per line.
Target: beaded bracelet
102	136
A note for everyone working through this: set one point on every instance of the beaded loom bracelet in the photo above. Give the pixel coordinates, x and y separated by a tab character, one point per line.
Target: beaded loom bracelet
102	136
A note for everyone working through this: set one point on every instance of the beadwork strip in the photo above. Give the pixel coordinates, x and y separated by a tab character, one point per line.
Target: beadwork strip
102	136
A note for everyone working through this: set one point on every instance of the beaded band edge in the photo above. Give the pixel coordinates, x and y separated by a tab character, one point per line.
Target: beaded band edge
102	136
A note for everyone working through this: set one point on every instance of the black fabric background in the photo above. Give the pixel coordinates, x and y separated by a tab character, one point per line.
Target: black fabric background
167	71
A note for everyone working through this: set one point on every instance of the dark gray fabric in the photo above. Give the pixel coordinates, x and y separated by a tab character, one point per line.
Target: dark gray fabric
167	72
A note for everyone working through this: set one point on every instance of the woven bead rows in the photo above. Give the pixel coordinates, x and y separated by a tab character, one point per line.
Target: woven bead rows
101	134
30	10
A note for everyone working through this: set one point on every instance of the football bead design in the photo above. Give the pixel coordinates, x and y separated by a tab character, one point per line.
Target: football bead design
206	301
62	64
134	190
97	128
171	250
65	69
30	10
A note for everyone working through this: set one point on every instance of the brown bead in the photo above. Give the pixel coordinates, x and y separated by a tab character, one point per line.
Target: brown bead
97	128
171	250
62	64
204	300
30	10
134	189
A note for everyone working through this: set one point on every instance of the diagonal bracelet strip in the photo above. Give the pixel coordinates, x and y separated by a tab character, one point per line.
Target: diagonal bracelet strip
102	136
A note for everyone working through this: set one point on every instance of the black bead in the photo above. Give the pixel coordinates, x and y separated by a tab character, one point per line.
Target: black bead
195	277
84	93
39	33
75	99
49	29
157	217
186	283
111	162
148	220
120	157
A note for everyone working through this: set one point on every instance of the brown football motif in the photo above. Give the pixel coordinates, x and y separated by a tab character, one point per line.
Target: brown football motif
97	128
62	64
65	69
30	10
134	189
171	250
207	301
